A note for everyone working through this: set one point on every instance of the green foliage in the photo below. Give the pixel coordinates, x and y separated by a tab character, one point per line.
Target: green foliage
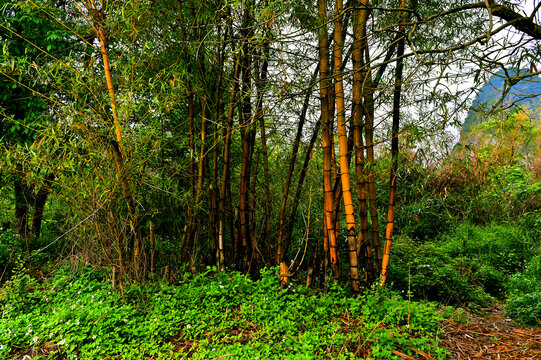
505	247
524	294
506	137
75	313
471	187
33	253
10	251
525	308
468	228
432	274
468	264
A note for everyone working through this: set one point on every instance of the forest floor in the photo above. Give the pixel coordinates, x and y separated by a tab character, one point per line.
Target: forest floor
491	336
487	335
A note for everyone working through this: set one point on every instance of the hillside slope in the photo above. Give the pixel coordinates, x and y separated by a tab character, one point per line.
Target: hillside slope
525	93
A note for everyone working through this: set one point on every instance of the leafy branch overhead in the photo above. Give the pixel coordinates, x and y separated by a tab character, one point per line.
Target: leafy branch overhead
244	134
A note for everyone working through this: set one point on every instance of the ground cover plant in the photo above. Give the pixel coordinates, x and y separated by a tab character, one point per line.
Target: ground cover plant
75	314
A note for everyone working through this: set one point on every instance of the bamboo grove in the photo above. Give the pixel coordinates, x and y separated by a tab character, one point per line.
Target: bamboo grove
236	134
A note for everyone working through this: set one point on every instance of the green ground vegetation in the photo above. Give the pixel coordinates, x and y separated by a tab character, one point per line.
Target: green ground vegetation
74	313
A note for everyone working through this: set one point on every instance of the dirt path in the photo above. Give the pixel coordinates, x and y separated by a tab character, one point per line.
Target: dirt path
492	337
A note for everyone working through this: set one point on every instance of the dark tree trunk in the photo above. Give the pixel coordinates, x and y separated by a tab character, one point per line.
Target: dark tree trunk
261	81
39	205
22	193
394	145
248	139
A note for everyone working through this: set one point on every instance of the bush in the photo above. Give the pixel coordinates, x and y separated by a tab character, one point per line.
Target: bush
432	274
524	294
525	308
470	264
505	247
471	186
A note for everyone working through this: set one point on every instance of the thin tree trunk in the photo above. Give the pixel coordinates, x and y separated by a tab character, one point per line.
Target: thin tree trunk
302	176
213	210
225	183
218	119
326	137
261	81
215	192
187	239
255	261
283	238
195	231
152	249
21	206
394	145
247	136
134	225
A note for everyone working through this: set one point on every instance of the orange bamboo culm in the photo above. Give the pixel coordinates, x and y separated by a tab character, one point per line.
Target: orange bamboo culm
326	137
364	248
99	18
343	147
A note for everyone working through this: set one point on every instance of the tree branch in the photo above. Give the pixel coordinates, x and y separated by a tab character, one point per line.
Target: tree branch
519	22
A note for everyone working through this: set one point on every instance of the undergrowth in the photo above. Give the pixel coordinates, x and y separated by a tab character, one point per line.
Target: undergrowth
524	294
75	314
470	265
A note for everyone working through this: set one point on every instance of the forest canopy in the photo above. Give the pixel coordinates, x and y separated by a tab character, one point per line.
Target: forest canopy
147	136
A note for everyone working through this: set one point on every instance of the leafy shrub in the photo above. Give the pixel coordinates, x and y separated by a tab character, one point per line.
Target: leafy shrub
432	274
475	185
491	280
524	294
10	248
425	218
531	222
504	247
525	308
33	253
470	264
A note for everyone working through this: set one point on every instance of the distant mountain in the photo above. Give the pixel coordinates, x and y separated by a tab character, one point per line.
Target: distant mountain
525	93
